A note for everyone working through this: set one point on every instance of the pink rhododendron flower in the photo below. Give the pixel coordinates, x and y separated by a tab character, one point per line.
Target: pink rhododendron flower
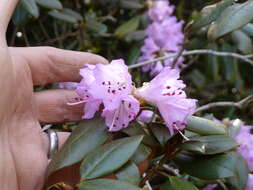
110	85
245	139
145	116
166	92
68	85
164	36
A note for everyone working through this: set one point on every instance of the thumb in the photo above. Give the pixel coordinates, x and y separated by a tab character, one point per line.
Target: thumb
6	9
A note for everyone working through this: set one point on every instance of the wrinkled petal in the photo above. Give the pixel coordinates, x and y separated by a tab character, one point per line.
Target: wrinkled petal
119	118
145	116
90	109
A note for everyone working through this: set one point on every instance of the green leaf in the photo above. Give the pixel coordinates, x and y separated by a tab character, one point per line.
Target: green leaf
129	173
180	184
166	186
20	16
241	173
137	35
212	63
50	4
208	167
204	126
141	154
127	27
161	133
248	29
211	13
96	27
63	16
73	13
86	137
230	65
135	128
231	19
131	4
109	157
106	184
31	7
210	144
242	41
134	54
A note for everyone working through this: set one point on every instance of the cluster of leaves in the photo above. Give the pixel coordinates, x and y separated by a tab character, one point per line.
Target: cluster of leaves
208	155
115	28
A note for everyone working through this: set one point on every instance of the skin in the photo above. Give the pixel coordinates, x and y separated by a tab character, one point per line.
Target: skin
23	146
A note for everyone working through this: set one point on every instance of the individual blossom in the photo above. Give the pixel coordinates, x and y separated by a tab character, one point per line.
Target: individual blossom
111	86
166	92
164	36
245	140
68	85
145	116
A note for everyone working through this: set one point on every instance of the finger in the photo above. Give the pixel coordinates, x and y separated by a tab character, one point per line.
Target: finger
6	9
50	65
52	106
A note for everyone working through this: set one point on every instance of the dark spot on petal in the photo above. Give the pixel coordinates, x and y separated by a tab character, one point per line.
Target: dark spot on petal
168	87
117	118
129	105
114	91
123	125
103	83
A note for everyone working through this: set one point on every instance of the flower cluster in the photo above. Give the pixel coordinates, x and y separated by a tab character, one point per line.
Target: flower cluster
111	86
164	35
166	92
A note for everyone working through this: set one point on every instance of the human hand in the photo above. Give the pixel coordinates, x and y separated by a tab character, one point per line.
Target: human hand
23	146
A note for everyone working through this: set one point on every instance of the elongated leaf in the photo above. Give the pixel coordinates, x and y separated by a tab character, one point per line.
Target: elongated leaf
86	137
131	4
210	144
31	7
50	4
161	133
127	27
231	19
242	41
204	126
230	65
73	13
211	13
248	29
109	157
141	154
241	173
129	173
180	184
96	27
60	15
20	15
106	184
208	167
166	186
133	55
213	64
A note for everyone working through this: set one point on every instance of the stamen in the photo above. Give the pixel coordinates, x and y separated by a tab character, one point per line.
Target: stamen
75	103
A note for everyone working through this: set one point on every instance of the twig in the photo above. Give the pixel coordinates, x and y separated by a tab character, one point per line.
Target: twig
239	104
194	52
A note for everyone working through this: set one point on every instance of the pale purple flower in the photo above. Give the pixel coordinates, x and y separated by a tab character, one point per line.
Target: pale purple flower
160	10
145	116
110	85
166	92
210	187
164	36
245	140
68	85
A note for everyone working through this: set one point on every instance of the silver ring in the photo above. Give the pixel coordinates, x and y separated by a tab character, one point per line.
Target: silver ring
53	142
